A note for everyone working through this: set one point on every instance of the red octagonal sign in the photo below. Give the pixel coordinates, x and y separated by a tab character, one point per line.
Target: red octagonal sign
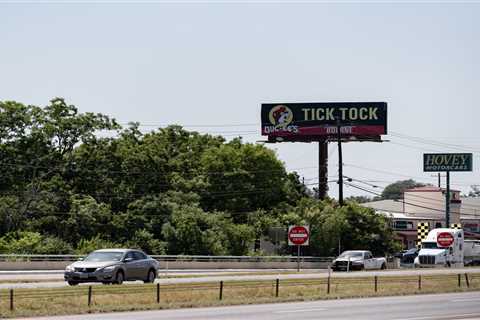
298	235
444	239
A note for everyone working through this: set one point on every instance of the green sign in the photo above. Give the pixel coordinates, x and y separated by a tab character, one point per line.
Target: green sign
434	162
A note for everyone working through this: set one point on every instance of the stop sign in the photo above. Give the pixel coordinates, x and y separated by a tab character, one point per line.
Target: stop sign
444	239
298	235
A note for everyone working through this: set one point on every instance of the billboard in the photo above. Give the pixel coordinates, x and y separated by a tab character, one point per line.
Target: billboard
320	120
434	162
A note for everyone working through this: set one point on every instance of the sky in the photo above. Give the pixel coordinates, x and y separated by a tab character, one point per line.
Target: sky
209	65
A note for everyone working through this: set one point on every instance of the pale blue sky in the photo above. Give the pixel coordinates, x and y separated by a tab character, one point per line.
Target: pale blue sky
214	63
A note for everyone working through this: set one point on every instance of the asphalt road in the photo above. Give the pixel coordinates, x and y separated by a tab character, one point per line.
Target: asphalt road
457	306
250	276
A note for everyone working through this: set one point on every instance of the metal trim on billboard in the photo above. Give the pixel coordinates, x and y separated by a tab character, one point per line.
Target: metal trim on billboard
434	162
320	120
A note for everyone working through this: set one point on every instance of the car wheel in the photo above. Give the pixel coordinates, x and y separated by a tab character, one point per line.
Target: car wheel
119	277
72	283
384	266
106	282
150	277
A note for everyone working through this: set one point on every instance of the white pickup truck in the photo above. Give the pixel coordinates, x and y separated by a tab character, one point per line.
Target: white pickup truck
358	260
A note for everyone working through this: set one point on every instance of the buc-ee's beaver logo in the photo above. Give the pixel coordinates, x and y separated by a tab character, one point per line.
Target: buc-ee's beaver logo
280	116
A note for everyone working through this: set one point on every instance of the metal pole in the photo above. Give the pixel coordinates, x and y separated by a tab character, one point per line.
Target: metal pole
447	202
340	166
439	181
298	258
328	284
89	296
322	169
276	287
158	292
376	283
221	290
419	282
11	299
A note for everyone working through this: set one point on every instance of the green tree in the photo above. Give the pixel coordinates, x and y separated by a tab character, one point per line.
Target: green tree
395	190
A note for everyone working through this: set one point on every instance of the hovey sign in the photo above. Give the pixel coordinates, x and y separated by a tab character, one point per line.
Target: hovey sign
447	162
316	121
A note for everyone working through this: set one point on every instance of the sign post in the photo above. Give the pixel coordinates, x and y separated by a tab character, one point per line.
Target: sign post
298	236
435	162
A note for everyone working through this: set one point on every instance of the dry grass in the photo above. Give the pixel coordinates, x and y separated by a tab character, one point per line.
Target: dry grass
74	300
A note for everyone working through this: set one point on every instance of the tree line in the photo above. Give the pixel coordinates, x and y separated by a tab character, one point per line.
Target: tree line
73	182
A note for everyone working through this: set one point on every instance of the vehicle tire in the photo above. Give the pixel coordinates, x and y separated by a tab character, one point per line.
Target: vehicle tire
72	283
448	265
106	283
119	277
150	276
384	266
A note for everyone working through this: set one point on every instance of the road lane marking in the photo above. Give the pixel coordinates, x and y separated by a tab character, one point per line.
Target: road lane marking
446	317
466	300
300	310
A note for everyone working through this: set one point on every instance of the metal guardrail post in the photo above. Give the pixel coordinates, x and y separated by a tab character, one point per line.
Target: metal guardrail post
11	300
419	282
277	287
328	284
376	283
467	281
459	280
89	296
158	292
221	290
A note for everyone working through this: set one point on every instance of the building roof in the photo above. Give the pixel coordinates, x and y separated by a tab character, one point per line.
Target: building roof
385	205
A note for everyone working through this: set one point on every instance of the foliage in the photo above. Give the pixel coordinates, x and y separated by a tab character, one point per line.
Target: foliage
25	242
174	191
395	190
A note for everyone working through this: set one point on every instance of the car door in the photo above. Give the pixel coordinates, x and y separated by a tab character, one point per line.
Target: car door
141	265
131	271
368	261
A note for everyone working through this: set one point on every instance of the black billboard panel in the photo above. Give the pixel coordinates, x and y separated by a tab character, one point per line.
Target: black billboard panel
317	121
434	162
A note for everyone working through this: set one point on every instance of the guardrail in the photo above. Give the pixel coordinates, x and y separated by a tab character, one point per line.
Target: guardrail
57	262
170	258
39	301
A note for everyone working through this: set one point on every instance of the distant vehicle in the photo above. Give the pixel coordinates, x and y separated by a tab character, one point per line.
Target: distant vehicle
409	256
112	266
358	260
446	247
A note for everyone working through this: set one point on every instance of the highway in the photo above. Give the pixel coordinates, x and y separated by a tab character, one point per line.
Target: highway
56	280
457	306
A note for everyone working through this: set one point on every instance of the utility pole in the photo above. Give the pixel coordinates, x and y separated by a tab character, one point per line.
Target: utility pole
322	169
340	166
447	204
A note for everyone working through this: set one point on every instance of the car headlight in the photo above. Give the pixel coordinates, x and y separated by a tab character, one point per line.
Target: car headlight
69	268
108	269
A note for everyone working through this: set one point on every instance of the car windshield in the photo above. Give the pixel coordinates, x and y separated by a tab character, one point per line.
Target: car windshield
430	245
350	254
104	256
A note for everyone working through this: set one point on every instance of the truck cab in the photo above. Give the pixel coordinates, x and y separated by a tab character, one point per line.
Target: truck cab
442	247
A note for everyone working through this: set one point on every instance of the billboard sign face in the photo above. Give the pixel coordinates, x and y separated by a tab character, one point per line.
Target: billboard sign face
434	162
319	121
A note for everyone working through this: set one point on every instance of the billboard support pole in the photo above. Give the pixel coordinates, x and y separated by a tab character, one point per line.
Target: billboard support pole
447	202
322	169
340	166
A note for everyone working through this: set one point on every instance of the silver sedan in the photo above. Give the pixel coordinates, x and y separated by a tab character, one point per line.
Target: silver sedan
112	266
